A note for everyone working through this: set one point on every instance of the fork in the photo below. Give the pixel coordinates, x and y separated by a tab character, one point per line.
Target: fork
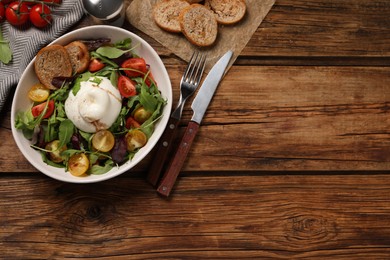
188	84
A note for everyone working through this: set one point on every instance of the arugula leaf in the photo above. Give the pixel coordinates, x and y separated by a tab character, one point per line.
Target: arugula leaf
114	78
50	162
120	120
119	48
111	52
94	54
50	128
124	44
148	126
65	133
147	99
97	169
5	50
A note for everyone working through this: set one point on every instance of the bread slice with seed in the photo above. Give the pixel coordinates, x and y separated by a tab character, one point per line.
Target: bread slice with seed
166	14
198	25
79	56
52	61
227	11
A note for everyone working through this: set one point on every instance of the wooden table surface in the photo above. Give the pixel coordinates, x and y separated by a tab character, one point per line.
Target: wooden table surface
292	159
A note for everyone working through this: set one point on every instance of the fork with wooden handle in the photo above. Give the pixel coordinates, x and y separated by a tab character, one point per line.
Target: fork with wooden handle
188	84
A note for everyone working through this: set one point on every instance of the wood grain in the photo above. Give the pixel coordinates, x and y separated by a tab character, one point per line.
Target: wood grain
220	217
291	160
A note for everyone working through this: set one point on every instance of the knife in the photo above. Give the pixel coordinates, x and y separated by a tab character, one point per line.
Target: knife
199	107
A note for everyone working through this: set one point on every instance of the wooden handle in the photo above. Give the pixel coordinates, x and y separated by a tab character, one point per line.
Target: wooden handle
169	178
163	148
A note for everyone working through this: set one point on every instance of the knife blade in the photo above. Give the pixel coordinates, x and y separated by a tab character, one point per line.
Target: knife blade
199	107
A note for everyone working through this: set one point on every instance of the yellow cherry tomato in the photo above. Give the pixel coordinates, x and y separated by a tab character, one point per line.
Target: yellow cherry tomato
141	115
38	93
103	141
55	151
78	164
135	139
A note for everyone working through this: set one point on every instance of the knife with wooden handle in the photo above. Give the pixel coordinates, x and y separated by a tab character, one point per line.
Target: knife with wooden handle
199	107
163	148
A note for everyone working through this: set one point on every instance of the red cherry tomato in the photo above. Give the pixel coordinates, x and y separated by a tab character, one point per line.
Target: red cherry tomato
135	67
2	12
126	86
40	15
95	65
17	13
132	123
38	109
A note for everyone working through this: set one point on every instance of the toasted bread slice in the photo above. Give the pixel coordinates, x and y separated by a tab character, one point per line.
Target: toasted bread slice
227	11
79	56
194	1
52	61
198	25
166	14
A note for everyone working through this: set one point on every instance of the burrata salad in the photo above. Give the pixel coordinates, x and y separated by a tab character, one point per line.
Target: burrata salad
98	117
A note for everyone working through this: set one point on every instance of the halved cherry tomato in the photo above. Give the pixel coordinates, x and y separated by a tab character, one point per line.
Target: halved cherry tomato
135	139
126	86
95	65
40	15
17	13
141	114
55	151
135	67
38	109
78	164
38	92
103	141
132	123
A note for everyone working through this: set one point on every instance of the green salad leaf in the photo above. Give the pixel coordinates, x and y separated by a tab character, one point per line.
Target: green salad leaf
5	50
65	132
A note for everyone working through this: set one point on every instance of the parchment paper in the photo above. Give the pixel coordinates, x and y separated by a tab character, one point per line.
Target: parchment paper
232	37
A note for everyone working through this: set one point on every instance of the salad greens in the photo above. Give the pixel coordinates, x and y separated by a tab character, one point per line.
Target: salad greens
5	50
69	140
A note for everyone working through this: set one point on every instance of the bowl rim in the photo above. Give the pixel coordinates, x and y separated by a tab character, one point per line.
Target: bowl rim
41	166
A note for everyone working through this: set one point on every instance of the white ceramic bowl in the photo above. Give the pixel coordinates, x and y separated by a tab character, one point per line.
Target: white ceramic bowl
21	102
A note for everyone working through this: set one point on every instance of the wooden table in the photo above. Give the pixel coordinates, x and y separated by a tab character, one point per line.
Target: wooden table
291	161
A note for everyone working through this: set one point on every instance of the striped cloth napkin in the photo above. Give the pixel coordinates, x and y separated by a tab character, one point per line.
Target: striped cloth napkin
25	42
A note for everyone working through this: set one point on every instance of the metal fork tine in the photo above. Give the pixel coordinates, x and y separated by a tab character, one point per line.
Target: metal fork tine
195	71
200	69
190	67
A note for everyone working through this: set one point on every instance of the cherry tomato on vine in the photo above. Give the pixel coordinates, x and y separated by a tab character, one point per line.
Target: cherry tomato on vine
2	12
17	13
40	15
